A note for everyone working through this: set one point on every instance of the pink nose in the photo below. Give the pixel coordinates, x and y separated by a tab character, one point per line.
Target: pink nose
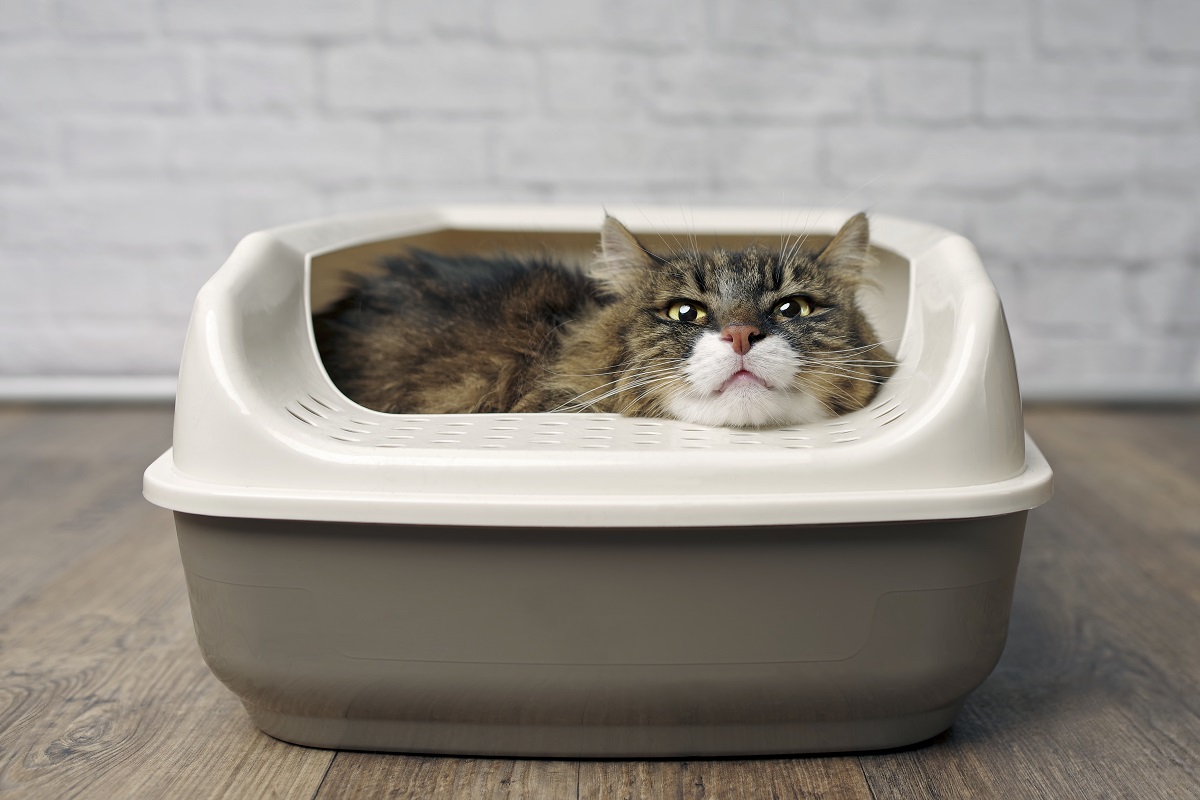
740	337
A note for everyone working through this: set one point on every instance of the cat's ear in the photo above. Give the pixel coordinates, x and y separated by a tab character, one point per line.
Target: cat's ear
620	257
849	248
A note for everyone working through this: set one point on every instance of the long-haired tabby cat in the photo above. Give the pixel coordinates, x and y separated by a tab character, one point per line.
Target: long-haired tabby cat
755	337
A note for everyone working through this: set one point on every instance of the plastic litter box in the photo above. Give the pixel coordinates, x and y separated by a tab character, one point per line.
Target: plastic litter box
590	584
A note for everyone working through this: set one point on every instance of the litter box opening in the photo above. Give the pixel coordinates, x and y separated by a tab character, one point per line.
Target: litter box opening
885	303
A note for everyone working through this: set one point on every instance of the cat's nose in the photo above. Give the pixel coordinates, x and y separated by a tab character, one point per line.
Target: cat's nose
740	337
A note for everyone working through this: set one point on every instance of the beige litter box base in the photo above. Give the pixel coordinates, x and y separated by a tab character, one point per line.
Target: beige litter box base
601	642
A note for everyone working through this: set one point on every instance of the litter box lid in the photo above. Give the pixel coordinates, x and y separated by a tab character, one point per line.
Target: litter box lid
260	431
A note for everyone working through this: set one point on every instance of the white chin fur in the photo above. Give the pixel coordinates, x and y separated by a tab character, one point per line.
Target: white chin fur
744	405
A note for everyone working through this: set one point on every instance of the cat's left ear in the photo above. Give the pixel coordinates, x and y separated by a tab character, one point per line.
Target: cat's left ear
849	248
621	256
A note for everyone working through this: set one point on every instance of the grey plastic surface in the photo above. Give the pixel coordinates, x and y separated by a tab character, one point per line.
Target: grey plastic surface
601	642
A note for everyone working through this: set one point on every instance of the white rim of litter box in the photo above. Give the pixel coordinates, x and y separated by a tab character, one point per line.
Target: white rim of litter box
164	486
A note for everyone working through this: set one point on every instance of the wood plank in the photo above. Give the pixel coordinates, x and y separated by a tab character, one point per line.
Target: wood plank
102	690
1094	696
836	778
1054	720
92	434
104	694
362	775
67	477
397	777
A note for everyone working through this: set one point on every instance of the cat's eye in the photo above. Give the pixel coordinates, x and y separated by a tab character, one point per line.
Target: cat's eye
687	311
798	306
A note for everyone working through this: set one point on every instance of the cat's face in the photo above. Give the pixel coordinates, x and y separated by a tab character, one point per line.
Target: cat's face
749	338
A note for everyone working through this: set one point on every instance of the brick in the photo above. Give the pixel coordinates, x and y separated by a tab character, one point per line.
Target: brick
1164	296
920	205
1084	25
762	87
114	147
598	196
123	217
413	19
649	24
1173	162
965	26
175	281
1010	282
626	156
1171	27
1131	93
22	17
1088	366
103	18
766	157
27	149
952	214
329	153
547	21
926	89
54	345
1112	229
588	84
312	19
61	284
256	207
1087	160
396	194
469	79
1086	299
98	79
254	78
437	154
755	24
967	159
18	284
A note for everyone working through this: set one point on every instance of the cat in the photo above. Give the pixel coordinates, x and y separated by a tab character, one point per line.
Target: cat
748	338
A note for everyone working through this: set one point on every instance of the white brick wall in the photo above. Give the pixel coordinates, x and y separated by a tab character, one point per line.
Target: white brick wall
139	139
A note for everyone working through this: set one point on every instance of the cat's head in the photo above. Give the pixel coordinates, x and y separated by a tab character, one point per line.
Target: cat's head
754	337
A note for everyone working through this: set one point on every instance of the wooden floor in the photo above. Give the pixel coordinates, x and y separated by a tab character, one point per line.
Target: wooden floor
103	693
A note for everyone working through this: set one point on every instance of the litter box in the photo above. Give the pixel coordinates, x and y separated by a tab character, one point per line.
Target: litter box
591	585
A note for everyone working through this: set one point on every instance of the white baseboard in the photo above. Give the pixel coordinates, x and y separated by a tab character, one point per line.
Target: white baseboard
87	388
161	388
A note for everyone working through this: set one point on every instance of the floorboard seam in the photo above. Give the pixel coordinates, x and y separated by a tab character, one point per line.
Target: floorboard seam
324	775
867	780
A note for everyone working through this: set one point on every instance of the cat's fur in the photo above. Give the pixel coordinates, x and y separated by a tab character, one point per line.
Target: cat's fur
439	334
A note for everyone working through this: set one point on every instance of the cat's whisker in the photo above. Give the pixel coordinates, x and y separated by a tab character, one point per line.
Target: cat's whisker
692	231
578	402
659	234
855	369
820	400
840	203
852	359
646	374
616	368
863	378
843	365
641	396
881	343
800	237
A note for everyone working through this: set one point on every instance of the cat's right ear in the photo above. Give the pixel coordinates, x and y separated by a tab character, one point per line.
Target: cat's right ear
850	248
620	257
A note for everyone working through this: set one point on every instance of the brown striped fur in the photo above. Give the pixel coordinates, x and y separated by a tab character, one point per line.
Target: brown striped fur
438	334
